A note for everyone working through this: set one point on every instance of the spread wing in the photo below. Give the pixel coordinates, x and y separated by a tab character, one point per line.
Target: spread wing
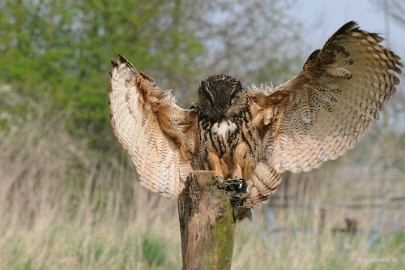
327	107
158	135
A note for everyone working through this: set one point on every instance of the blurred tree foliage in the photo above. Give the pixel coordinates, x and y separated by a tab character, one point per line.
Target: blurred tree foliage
61	49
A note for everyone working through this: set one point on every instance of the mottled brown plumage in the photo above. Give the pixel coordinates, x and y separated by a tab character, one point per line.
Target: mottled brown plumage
255	133
225	128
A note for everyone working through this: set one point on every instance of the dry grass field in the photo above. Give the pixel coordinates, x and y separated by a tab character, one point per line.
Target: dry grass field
63	207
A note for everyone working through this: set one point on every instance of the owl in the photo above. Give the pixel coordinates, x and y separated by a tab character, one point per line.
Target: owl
249	136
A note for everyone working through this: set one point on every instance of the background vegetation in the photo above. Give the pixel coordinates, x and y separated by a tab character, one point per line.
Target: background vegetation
68	199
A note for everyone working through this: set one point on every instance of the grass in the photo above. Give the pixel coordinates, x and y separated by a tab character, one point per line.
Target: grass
66	247
71	247
62	207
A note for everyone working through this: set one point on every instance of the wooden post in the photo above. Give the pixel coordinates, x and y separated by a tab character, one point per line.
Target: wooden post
206	222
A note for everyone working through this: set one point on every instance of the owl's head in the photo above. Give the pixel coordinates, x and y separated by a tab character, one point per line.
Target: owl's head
219	97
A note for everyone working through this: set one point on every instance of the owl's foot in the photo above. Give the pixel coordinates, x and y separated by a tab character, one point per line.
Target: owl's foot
236	185
237	188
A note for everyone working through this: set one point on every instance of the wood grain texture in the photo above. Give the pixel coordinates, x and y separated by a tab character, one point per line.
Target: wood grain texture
207	224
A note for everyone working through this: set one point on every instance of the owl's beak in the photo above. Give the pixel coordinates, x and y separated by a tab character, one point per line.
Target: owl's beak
222	114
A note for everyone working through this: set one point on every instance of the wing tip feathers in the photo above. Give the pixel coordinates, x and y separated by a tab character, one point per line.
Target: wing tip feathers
349	26
121	60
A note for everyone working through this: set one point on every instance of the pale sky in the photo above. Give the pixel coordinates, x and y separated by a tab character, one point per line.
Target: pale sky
325	17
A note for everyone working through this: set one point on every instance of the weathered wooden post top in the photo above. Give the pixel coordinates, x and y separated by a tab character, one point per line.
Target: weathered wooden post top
207	224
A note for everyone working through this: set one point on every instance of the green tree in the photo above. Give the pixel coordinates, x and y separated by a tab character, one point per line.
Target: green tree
63	48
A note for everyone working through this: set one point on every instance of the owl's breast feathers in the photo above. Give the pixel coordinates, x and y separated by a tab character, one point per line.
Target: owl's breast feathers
220	137
224	128
229	145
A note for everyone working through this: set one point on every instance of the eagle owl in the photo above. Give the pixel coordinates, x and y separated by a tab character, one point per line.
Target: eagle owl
257	133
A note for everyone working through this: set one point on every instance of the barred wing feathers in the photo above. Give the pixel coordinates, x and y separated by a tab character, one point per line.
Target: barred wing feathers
136	104
329	105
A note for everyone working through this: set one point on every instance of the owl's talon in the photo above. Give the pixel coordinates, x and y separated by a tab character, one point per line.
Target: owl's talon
237	188
236	185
